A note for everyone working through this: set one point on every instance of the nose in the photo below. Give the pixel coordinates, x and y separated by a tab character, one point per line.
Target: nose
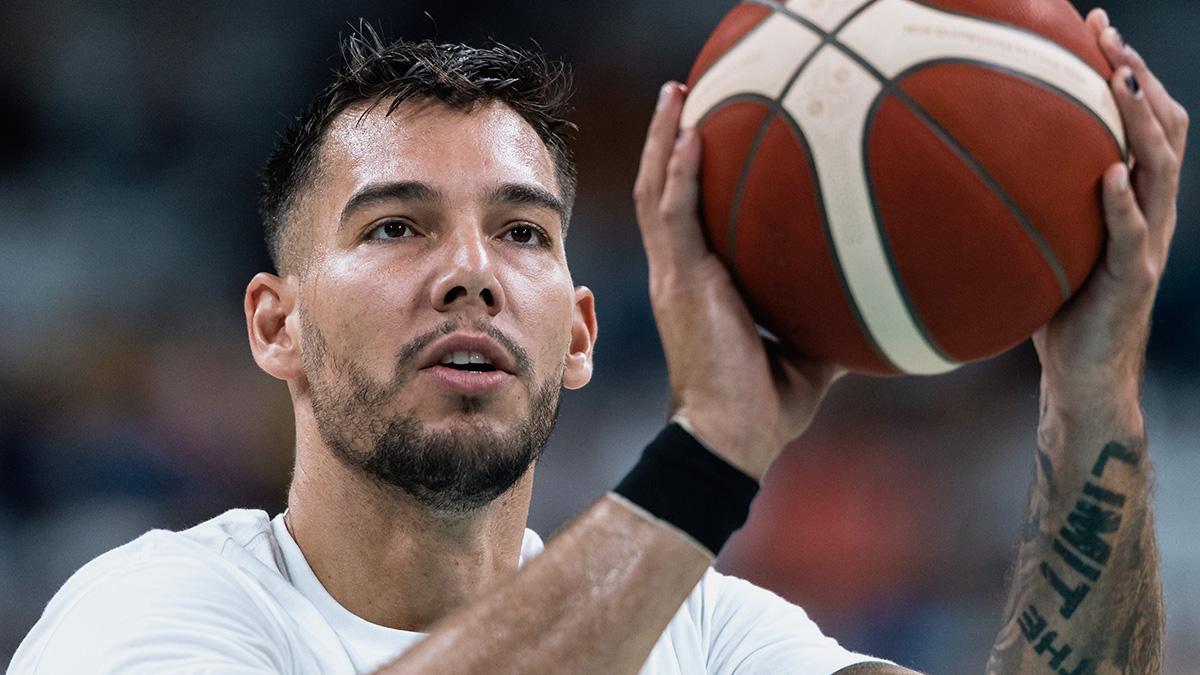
468	278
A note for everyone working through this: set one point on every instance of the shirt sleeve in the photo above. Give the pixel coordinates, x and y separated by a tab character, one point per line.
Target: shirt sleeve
173	614
752	630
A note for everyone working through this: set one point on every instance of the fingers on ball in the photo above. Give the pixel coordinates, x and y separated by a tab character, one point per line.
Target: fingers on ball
1098	18
1128	231
1172	115
1147	137
660	141
677	200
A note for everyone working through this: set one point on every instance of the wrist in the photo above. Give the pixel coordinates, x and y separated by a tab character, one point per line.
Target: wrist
1079	394
1112	410
682	483
751	452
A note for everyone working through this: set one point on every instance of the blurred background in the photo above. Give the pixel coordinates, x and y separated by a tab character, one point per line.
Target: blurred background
130	133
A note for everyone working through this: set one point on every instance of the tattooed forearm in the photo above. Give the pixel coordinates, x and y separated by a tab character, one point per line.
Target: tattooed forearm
1086	595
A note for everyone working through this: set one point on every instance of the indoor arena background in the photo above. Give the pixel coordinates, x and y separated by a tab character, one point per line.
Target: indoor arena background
130	134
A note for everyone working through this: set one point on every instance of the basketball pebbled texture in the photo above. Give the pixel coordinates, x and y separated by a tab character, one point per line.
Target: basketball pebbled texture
903	186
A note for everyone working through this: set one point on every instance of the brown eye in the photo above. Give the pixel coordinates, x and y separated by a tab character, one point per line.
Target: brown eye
525	234
521	234
391	229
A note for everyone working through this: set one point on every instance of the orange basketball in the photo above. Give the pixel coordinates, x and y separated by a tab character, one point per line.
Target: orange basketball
902	186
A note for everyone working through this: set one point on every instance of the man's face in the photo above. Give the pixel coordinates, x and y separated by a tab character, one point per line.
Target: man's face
437	312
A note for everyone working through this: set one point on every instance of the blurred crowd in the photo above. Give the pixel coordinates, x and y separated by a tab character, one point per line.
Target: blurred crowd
130	134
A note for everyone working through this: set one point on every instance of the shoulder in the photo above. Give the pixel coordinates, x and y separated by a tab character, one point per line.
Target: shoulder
168	594
746	628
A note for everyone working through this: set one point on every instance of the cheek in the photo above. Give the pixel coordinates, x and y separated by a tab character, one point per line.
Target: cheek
362	309
548	315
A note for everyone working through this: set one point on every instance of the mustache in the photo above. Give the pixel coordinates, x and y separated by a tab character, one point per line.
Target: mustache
407	356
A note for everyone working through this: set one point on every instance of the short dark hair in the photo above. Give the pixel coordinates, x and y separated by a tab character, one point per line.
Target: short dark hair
457	75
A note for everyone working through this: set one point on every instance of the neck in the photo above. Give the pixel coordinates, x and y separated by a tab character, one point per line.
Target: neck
385	557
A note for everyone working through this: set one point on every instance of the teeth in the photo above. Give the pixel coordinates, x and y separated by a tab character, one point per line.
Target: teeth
464	358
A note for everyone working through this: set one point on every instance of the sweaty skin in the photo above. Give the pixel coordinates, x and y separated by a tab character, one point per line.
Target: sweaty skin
1086	594
458	251
605	588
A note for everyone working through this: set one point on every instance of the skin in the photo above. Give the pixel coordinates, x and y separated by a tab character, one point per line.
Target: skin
606	586
369	297
1092	360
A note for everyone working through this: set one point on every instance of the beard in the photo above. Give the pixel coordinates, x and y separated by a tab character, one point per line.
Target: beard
452	472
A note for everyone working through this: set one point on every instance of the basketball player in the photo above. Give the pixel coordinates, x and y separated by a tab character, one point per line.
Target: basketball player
425	320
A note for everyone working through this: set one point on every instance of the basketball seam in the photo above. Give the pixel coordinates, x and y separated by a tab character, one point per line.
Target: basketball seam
742	97
891	86
776	108
830	38
1031	230
994	185
775	111
917	319
1013	26
852	16
728	50
1026	77
739	191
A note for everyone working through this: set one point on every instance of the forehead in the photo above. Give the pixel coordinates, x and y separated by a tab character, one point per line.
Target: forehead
459	153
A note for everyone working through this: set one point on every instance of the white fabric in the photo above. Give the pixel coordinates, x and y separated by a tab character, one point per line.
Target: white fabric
235	595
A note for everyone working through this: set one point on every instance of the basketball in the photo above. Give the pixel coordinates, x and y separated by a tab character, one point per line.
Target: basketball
901	186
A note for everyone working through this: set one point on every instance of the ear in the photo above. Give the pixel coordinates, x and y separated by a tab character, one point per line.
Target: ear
269	303
583	339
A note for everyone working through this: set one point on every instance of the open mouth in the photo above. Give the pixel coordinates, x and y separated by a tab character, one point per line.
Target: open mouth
473	362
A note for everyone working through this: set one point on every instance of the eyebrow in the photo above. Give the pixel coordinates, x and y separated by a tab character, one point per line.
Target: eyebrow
531	195
377	193
416	191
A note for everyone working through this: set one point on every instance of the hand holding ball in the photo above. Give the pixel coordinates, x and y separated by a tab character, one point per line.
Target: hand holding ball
902	186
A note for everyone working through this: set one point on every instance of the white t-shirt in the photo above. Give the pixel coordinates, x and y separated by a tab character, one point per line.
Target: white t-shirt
235	595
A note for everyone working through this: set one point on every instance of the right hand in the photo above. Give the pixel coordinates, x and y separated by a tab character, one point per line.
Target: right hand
742	397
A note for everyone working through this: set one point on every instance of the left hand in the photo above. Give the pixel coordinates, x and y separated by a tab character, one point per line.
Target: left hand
1092	352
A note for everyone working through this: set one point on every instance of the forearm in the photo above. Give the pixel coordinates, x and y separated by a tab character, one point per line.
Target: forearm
595	600
1086	593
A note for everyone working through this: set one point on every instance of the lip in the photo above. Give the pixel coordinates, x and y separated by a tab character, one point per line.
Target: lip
462	342
467	382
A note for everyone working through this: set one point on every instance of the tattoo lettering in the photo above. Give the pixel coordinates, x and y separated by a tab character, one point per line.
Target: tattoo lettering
1071	595
1115	451
1102	495
1070	540
1032	624
1081	544
1046	643
1085	525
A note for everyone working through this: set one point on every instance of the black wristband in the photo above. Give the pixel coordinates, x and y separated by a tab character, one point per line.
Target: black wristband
682	482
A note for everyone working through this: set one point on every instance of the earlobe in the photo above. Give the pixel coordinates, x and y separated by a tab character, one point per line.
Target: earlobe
583	340
268	304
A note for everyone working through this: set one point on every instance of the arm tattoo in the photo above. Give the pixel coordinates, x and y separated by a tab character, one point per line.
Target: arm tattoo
1085	592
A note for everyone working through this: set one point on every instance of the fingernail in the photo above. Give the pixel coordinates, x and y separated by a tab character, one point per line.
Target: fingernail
1123	180
1117	39
664	95
685	137
1132	85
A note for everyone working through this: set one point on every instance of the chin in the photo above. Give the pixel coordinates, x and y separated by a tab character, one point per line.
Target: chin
475	412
